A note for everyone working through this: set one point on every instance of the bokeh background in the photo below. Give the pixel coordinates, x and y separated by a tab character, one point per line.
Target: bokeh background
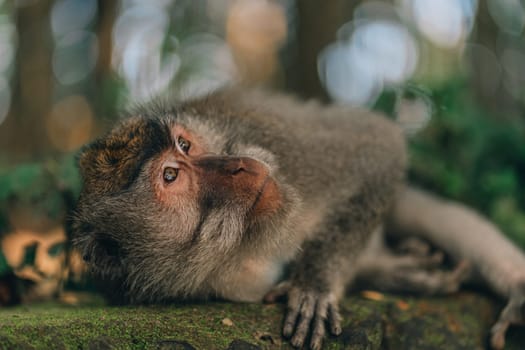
452	72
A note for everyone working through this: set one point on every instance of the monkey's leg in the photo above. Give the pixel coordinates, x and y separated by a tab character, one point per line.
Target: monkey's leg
409	274
413	270
389	272
465	235
409	267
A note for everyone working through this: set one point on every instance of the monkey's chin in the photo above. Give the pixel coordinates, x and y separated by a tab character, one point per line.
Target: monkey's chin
268	200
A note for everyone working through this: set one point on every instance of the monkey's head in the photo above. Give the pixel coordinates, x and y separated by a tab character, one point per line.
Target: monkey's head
167	201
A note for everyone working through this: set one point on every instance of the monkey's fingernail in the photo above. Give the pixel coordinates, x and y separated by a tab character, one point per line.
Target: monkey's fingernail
336	330
316	344
297	340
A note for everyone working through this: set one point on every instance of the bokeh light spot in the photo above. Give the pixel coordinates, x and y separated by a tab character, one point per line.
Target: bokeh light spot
140	54
347	77
212	62
255	30
391	48
7	46
70	123
446	23
375	54
72	15
75	57
509	15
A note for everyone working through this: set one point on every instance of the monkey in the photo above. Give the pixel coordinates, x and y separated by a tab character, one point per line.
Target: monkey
246	195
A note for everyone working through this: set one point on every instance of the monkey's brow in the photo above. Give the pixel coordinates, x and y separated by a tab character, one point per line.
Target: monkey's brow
130	149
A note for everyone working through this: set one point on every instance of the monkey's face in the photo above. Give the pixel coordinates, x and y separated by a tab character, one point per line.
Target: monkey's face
188	175
163	207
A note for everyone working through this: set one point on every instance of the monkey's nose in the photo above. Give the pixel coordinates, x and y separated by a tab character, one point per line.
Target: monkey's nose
233	165
237	169
239	165
248	165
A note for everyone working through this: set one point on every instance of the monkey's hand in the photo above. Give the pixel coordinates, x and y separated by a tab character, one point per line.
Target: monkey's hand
309	312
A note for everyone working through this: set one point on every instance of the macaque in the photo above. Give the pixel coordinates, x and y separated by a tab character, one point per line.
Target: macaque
248	196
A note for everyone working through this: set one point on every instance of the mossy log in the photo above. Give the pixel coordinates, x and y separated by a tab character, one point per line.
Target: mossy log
461	321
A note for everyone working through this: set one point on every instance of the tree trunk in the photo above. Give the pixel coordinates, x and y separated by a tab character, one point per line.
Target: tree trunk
23	133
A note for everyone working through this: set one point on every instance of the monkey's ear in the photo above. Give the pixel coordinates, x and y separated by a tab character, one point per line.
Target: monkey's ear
103	255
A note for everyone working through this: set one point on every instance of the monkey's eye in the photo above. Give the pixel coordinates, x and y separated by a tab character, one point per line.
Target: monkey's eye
183	144
170	174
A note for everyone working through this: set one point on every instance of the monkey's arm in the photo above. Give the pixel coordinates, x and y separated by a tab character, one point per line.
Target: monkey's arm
318	280
465	235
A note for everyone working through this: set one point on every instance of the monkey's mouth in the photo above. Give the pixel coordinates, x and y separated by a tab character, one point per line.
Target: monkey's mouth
268	198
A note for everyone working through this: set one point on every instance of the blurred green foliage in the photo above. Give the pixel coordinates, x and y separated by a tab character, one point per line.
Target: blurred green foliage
40	186
465	153
43	190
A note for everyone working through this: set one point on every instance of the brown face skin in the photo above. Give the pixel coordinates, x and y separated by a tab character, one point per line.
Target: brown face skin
150	232
188	173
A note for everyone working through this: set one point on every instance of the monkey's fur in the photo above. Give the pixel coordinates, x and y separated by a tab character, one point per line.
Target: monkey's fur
245	195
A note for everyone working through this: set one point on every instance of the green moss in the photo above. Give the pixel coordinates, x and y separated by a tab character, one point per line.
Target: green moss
457	322
137	327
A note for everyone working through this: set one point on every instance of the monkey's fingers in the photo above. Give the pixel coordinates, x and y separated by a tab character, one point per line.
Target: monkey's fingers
294	304
327	310
334	319
308	313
